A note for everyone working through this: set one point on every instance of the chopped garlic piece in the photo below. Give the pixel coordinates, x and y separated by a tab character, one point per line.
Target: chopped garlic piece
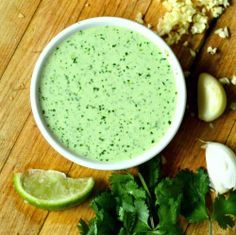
139	18
149	26
192	52
211	50
204	10
233	80
217	11
185	44
222	32
20	15
224	81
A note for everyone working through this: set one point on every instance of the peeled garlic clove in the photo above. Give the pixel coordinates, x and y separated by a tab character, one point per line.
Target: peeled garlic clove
221	167
211	98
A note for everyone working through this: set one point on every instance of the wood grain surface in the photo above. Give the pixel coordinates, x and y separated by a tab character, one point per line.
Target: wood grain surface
25	28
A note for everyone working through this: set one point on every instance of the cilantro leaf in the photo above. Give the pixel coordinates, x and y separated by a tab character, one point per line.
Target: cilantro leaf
195	188
122	232
168	198
125	185
104	207
224	208
83	227
151	172
105	222
131	207
142	213
105	201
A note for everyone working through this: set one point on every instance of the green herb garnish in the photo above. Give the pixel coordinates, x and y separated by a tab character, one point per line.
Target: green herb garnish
149	203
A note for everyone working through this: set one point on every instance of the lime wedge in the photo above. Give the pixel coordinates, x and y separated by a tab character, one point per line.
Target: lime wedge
211	98
52	190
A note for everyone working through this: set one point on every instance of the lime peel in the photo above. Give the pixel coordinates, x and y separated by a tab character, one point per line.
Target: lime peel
52	190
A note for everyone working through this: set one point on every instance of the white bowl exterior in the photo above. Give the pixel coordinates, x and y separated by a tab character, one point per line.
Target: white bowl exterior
180	84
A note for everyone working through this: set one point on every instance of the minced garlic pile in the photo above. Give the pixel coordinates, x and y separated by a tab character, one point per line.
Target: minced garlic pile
187	16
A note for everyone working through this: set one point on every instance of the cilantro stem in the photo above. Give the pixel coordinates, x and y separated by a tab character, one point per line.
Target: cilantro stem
144	185
210	227
150	197
152	222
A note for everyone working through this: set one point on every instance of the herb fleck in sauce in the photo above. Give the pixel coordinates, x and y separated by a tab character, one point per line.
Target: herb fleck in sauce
107	93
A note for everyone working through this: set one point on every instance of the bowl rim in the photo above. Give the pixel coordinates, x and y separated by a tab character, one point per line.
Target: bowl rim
180	84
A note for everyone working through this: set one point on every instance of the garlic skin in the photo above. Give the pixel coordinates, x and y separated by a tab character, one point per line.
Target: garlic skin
221	167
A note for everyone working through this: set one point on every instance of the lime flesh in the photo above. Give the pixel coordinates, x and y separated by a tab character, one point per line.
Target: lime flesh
211	98
52	190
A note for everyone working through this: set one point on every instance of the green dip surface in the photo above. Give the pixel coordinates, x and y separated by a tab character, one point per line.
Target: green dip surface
107	93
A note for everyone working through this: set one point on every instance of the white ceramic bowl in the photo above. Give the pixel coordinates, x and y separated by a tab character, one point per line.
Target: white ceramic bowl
180	83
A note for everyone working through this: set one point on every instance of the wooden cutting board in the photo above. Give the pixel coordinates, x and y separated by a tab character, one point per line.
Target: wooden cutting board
25	28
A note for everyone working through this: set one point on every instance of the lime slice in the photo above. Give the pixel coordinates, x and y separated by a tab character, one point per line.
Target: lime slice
211	98
52	190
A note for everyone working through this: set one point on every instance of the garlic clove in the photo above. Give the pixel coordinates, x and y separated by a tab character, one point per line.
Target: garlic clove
211	98
221	167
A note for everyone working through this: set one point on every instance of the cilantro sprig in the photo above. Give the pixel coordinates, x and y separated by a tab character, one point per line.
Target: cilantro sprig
149	203
195	188
224	208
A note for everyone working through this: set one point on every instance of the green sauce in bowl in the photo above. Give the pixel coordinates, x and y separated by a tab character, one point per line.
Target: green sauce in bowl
107	93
